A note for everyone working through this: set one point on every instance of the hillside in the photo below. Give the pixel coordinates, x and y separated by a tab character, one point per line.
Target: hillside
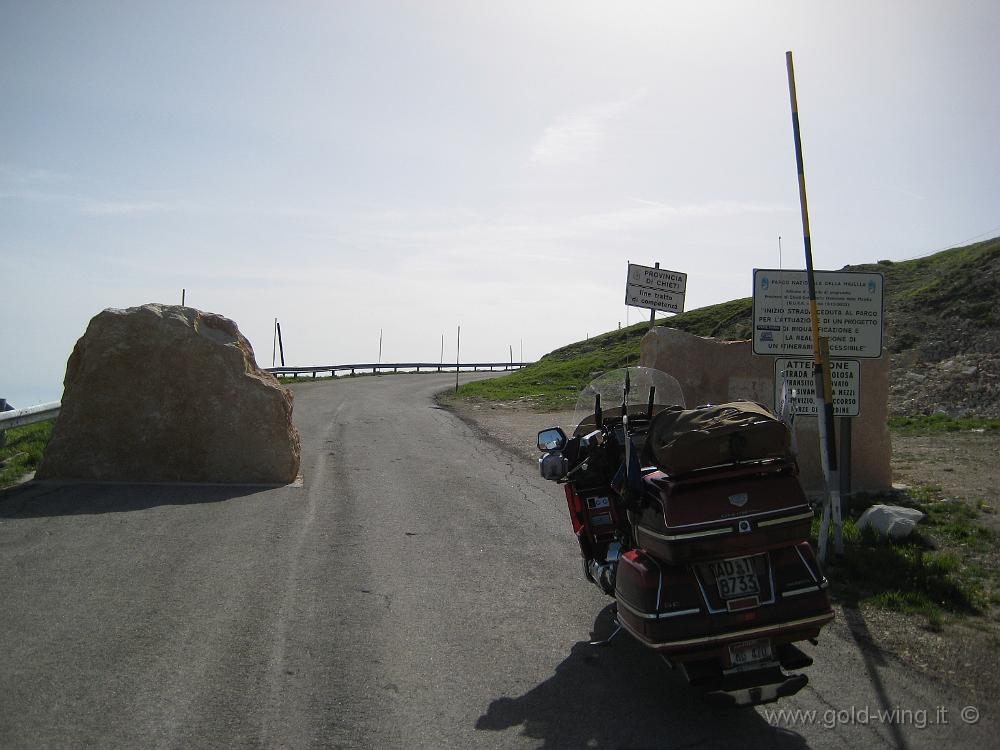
942	333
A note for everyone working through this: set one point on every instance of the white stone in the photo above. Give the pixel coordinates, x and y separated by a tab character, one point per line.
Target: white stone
893	521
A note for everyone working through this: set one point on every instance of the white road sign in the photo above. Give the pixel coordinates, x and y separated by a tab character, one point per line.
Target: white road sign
655	288
850	313
844	373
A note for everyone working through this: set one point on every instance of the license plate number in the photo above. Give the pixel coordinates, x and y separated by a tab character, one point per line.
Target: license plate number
748	652
735	577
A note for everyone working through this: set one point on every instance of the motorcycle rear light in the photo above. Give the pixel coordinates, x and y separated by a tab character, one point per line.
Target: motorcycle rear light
641	569
575	504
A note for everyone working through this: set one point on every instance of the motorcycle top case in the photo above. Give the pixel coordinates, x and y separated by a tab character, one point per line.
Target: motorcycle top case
721	513
684	440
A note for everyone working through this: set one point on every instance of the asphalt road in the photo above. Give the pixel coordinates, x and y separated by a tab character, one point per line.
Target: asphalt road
422	589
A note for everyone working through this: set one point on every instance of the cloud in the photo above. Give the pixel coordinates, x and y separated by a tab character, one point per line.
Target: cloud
17	175
574	136
124	208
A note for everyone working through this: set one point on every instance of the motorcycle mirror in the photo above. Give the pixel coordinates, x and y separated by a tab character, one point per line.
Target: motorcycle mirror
552	439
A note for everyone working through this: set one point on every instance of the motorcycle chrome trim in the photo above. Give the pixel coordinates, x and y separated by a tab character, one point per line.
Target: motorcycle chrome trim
762	514
753	666
690	535
733	634
796	592
775	521
655	615
809	568
725	610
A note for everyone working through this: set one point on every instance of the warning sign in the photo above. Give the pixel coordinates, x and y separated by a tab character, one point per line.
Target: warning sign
844	373
850	313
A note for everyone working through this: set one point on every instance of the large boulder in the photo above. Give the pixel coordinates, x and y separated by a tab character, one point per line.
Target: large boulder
162	393
716	372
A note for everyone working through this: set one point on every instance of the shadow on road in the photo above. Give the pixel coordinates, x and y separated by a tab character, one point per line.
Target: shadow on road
623	696
44	499
872	655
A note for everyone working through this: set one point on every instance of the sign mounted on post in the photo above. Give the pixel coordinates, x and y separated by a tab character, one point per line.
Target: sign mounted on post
655	288
844	373
850	313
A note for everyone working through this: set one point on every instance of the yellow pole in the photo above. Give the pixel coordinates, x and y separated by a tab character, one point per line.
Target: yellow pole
821	378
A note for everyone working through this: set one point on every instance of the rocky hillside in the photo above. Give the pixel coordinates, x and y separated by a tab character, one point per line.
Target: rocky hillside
943	331
942	334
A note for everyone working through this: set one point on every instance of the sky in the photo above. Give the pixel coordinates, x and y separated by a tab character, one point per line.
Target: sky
352	168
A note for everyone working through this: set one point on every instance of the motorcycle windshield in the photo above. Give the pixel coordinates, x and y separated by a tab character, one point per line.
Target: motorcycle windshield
611	387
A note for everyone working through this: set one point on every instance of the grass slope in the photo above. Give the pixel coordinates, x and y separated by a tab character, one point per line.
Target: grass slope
958	284
554	380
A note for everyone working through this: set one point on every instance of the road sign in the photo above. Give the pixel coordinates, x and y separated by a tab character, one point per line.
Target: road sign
850	313
844	373
655	288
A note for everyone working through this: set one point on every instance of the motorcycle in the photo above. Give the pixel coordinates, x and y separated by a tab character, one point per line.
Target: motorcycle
698	527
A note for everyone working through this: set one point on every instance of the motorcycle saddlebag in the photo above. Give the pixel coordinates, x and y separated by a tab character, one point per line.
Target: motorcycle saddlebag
683	440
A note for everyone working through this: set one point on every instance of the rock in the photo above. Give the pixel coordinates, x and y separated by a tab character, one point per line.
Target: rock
163	393
713	371
891	520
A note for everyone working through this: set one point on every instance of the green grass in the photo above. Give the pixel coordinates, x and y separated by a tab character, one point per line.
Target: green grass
930	573
954	283
553	381
938	423
22	450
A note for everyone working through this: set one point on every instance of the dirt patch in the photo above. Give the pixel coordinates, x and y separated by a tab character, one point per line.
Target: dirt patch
964	651
960	466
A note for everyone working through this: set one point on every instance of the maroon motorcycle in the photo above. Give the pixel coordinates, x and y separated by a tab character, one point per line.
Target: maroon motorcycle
695	522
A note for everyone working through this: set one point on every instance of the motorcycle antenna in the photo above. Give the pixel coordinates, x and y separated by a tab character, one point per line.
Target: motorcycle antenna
649	405
631	460
598	414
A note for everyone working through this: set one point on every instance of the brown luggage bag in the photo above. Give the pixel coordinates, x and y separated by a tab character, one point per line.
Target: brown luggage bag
683	440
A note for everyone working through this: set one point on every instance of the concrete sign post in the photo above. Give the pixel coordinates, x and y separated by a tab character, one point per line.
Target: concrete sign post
655	288
850	311
798	373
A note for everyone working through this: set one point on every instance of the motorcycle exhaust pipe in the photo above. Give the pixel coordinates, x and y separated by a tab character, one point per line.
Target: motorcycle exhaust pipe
602	574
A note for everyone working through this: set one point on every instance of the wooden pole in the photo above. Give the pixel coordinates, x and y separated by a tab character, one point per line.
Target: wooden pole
821	374
458	354
274	343
281	346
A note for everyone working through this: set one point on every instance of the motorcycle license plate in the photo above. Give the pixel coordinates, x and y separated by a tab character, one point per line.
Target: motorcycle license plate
748	652
735	577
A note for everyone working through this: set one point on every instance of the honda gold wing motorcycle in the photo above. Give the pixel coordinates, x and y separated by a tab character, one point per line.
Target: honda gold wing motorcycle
694	520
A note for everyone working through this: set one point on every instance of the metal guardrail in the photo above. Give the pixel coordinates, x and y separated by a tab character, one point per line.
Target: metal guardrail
20	417
377	367
44	412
